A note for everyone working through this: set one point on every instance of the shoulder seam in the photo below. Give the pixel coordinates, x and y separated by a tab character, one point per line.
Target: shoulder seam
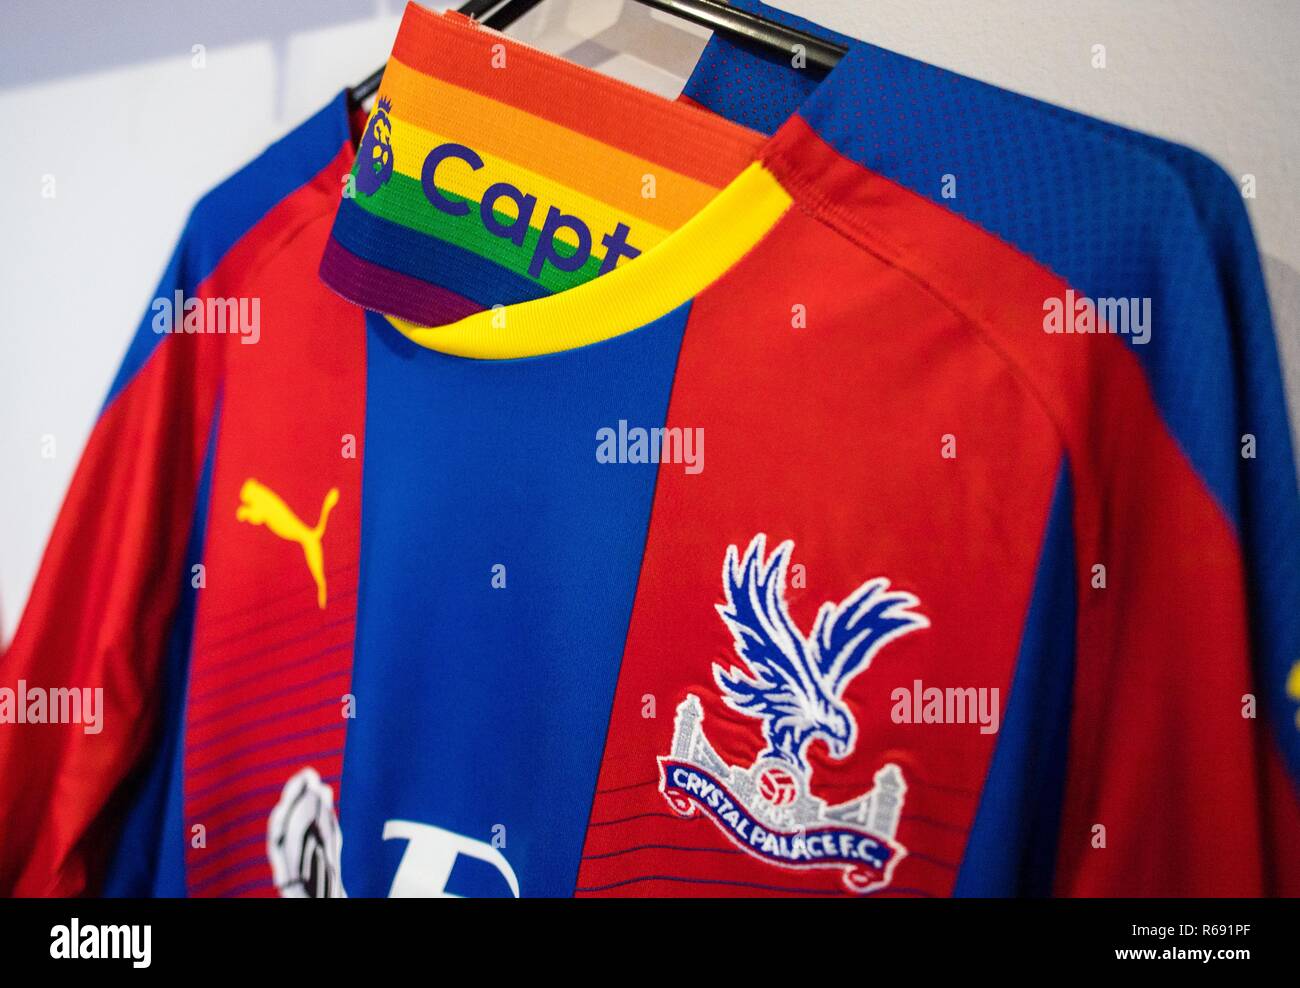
814	202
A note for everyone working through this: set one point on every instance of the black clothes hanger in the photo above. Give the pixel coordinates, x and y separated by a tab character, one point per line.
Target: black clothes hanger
740	25
368	86
737	24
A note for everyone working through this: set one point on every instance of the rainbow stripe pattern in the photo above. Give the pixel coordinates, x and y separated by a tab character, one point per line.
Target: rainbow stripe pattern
512	175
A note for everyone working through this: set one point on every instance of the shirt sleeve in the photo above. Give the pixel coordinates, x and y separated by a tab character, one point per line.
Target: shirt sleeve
90	644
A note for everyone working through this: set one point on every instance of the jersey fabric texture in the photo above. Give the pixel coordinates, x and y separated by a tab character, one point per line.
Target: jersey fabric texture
574	666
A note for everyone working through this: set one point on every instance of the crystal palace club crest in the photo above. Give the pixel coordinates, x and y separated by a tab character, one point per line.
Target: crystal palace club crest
795	686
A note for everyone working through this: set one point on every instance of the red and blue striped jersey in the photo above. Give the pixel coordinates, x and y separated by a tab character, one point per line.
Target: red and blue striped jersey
797	554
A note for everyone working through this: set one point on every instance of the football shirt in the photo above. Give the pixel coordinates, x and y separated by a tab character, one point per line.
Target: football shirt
634	842
592	535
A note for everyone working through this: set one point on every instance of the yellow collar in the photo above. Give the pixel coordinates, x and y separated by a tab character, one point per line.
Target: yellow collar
632	295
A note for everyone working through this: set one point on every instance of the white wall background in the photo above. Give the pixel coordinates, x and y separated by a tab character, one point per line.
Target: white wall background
104	98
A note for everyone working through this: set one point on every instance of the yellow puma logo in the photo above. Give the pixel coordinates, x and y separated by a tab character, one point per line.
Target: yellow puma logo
259	505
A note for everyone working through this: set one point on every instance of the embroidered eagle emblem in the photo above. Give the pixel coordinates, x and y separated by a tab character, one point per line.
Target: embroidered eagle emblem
796	685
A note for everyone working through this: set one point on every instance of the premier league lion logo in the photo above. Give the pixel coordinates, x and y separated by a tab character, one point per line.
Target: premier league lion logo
795	687
375	156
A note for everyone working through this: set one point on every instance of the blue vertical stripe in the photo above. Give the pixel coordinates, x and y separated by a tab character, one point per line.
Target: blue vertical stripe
1011	850
472	465
150	855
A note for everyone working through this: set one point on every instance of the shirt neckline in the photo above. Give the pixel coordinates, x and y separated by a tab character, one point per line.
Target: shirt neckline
640	292
632	295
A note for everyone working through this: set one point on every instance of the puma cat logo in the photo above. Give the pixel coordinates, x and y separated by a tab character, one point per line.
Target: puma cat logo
259	505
